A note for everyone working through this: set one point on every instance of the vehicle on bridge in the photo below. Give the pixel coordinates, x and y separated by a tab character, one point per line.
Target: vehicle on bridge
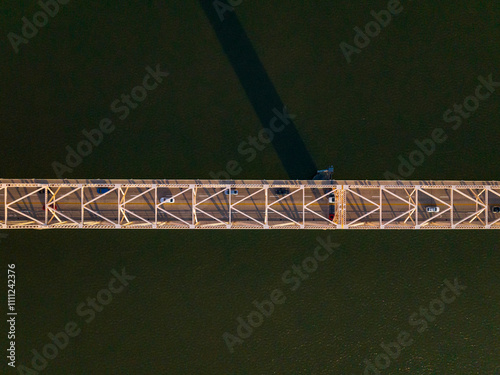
432	209
249	204
281	191
51	205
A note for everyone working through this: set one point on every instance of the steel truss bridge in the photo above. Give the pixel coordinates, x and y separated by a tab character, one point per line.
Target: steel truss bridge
258	204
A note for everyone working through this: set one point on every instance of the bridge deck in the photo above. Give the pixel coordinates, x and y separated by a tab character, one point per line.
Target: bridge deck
198	204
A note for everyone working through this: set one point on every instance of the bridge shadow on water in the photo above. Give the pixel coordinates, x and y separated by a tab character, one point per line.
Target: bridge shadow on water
260	91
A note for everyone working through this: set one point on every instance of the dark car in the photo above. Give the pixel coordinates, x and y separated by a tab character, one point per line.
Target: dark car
231	192
51	205
495	209
102	190
331	216
282	191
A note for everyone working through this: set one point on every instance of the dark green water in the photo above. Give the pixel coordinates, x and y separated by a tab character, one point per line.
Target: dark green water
191	286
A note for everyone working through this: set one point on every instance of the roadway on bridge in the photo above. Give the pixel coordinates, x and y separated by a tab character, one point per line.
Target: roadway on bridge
248	204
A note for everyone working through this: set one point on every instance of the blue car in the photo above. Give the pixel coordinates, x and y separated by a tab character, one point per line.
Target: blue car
102	190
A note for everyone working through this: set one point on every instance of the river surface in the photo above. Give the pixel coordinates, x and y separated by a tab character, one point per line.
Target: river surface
187	289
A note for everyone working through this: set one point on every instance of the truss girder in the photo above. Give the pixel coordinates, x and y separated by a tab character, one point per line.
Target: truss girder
412	206
481	206
369	205
356	222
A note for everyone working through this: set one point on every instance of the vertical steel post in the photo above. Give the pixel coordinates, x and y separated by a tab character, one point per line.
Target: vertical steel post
82	207
487	193
266	222
229	200
303	206
381	187
451	211
156	205
417	188
193	205
46	208
119	205
5	204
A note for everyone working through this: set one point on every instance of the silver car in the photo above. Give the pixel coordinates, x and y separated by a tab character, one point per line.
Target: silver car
432	209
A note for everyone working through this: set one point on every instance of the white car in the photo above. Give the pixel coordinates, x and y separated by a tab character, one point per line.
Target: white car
167	200
432	209
331	199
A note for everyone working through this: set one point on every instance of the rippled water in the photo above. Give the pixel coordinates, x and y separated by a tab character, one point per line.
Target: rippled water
191	286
